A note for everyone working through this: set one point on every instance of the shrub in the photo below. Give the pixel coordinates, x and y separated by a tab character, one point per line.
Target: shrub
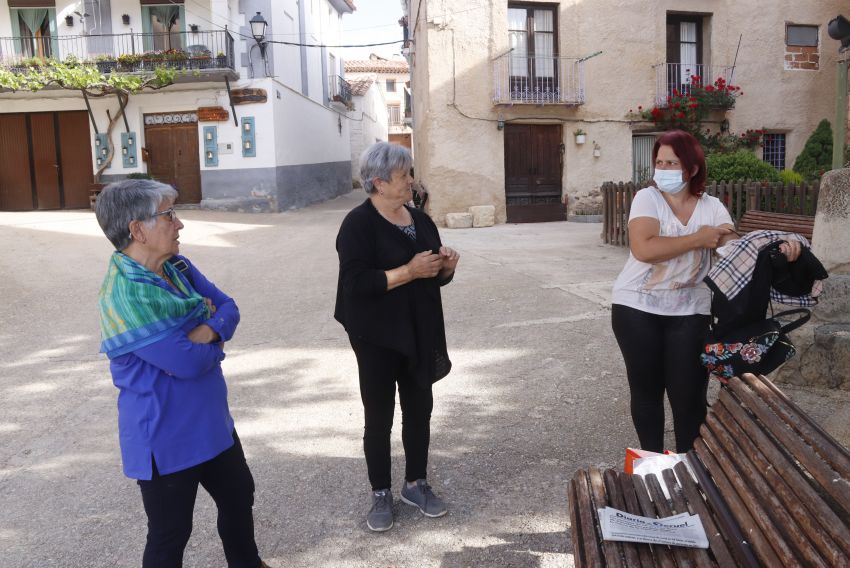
816	157
790	176
738	166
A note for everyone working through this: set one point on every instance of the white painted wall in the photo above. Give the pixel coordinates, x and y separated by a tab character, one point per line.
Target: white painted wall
368	124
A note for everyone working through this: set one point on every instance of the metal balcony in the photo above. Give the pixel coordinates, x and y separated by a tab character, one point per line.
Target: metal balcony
340	91
205	51
671	77
538	80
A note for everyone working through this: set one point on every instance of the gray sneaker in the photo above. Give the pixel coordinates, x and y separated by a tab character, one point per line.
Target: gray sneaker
380	517
421	496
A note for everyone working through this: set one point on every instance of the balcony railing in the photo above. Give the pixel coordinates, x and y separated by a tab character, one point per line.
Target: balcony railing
340	90
539	80
394	115
124	52
677	76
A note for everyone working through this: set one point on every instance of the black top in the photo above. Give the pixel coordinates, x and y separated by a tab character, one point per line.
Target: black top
409	318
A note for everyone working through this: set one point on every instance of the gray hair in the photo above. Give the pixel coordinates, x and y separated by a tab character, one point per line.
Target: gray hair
380	160
129	200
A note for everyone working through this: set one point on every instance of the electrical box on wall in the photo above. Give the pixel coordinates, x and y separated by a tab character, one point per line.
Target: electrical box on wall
211	146
128	150
101	148
249	149
225	148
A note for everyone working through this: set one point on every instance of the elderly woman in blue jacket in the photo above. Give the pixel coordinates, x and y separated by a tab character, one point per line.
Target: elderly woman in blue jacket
164	326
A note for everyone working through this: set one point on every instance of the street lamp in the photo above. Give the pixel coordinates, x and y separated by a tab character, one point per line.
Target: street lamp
258	30
839	30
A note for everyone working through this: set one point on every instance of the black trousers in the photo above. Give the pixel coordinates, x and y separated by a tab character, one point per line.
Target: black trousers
662	354
169	502
380	369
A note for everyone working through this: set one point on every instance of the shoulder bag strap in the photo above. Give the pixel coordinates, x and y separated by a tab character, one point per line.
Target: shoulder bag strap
805	316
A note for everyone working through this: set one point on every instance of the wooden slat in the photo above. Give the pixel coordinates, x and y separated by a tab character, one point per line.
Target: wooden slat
663	554
796	479
662	508
632	506
759	515
789	486
698	507
817	468
617	500
739	543
587	519
699	556
752	531
610	549
579	554
829	449
765	495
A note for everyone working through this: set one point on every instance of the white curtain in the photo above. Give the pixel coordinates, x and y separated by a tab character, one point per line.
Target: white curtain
688	51
518	37
544	46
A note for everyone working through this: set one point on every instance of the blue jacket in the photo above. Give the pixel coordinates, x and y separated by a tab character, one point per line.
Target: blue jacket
172	403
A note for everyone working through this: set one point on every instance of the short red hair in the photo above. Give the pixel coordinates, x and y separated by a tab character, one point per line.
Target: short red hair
690	154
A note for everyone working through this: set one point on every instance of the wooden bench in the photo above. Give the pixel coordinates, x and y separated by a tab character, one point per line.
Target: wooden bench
755	220
770	486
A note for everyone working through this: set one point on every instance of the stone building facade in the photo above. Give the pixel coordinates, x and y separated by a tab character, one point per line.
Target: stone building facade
502	90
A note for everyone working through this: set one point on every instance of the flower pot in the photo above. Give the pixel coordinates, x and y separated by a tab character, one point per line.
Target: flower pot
581	138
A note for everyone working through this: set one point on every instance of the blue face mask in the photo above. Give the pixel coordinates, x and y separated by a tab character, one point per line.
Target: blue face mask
669	181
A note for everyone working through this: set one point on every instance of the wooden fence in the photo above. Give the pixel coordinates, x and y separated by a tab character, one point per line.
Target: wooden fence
738	197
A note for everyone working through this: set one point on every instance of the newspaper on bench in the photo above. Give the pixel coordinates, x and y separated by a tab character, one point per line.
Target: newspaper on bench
679	530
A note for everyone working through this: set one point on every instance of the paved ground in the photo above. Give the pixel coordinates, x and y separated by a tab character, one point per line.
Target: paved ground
536	392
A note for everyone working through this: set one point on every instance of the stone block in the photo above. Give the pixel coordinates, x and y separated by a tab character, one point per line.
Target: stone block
831	235
483	215
459	220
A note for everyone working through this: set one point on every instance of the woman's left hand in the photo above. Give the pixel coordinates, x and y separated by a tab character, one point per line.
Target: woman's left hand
450	259
203	334
791	250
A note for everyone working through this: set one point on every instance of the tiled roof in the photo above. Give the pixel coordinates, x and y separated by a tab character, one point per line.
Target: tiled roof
360	86
376	66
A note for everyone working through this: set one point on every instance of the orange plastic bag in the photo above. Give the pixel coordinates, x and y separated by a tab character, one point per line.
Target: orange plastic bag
634	453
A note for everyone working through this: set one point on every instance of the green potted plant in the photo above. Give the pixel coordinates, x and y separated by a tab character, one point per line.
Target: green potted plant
129	61
581	136
221	60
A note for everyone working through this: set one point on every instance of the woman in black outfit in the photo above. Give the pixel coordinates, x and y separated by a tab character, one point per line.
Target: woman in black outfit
391	267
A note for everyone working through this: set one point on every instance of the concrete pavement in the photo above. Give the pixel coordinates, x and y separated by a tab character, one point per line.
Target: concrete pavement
537	391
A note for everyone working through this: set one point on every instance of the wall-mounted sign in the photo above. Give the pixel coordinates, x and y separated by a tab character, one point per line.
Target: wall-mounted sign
213	114
247	96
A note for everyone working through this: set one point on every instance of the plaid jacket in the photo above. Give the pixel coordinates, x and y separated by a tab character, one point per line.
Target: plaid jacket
737	261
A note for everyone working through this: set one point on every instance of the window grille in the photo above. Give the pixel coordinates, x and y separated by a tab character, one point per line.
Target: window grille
774	150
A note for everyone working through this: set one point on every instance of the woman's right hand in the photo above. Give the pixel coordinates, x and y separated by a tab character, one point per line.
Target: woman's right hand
711	237
426	264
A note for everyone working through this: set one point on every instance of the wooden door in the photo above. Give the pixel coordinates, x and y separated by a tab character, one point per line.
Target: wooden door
76	158
16	191
173	159
533	172
45	160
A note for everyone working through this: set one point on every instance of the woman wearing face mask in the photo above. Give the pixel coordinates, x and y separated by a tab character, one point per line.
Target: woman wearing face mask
661	306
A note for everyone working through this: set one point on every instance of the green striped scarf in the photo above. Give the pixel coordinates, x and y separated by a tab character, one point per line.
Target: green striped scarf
138	308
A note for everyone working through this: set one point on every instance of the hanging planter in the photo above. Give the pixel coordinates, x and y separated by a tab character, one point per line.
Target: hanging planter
581	136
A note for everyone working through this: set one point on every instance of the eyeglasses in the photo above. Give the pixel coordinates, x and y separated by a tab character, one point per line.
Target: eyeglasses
172	214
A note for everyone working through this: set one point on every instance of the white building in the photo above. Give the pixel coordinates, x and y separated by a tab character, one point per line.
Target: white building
369	121
282	143
393	78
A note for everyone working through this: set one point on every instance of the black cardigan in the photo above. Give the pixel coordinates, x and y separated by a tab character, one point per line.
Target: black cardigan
409	318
